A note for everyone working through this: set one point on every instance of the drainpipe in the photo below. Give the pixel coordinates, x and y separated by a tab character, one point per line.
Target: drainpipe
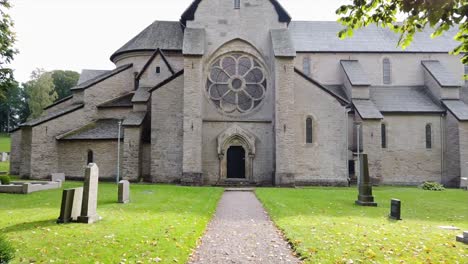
358	127
347	110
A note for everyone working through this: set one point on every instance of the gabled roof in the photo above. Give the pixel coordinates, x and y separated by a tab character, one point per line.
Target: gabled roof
443	77
165	35
189	13
87	75
340	99
322	36
404	99
104	129
168	80
121	101
59	102
367	109
458	108
101	77
52	116
355	73
148	63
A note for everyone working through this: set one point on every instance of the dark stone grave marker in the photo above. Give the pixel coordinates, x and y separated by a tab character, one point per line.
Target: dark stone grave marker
365	197
395	209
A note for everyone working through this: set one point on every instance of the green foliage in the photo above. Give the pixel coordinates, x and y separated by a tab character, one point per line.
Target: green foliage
64	81
5	179
325	226
7	51
13	108
439	15
41	92
432	186
162	224
7	252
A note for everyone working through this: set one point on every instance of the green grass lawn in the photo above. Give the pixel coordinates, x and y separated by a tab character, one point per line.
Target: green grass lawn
325	226
4	166
5	143
161	224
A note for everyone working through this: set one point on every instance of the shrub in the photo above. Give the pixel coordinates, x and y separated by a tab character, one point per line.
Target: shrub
7	253
432	186
5	179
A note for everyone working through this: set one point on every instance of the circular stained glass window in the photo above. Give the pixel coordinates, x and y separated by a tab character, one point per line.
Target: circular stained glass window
236	83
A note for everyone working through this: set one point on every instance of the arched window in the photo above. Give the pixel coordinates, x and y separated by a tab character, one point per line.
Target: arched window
384	135
236	4
309	130
90	157
387	71
428	136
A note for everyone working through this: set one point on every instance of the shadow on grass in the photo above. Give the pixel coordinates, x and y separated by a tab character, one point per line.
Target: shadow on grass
29	226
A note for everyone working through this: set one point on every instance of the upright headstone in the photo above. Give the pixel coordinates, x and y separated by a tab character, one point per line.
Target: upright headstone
71	205
58	177
4	157
365	197
90	192
124	192
395	209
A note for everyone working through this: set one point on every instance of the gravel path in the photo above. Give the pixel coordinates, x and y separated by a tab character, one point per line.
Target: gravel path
241	232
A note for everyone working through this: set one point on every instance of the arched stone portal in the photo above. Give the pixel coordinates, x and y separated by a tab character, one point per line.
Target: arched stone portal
232	144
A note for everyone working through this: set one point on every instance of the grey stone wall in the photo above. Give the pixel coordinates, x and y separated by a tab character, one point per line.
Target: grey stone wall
452	153
167	132
323	162
463	148
26	140
73	158
15	153
131	161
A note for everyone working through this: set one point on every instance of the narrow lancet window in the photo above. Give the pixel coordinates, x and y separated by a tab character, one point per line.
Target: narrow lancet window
306	66
309	130
237	4
428	136
387	71
90	157
384	136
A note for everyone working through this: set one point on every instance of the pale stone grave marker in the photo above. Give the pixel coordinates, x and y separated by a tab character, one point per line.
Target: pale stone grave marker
90	193
58	177
71	205
124	192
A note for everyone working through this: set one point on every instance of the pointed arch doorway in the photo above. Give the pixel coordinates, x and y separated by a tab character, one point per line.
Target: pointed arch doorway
236	162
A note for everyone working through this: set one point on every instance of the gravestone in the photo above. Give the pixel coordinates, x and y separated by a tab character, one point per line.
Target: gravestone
463	238
124	192
90	192
4	157
71	205
58	177
395	210
365	197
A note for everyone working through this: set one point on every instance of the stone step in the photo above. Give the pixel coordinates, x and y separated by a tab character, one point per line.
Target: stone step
239	189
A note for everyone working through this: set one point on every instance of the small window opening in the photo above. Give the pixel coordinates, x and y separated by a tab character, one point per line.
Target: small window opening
309	130
236	4
428	136
158	70
306	66
384	136
387	71
90	157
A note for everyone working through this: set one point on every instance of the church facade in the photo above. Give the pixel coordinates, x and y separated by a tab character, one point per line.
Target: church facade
238	93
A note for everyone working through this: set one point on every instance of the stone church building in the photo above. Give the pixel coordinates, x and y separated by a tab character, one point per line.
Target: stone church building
237	92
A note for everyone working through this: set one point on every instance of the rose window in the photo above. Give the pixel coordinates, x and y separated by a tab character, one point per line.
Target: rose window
236	83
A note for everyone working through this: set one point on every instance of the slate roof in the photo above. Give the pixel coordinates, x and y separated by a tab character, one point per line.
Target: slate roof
282	43
404	99
87	75
322	36
104	129
458	108
134	119
166	35
194	41
338	89
52	115
59	102
355	73
101	77
367	109
443	77
121	101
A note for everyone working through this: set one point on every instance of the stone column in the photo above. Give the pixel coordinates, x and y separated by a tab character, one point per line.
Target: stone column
284	116
131	162
90	195
192	142
365	197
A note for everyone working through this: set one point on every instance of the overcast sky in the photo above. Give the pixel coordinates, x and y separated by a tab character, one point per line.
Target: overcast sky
82	34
